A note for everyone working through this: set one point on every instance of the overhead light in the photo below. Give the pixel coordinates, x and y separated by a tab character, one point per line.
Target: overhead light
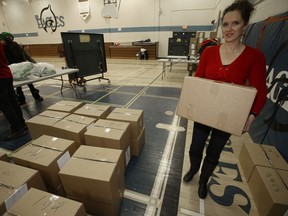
110	11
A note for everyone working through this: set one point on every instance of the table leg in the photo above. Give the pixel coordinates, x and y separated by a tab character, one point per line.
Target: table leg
71	84
163	69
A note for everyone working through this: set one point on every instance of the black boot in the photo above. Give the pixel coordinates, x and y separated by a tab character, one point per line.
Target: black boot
20	96
35	92
36	96
194	167
206	172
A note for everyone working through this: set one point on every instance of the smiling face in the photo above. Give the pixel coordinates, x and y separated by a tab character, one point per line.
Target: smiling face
233	26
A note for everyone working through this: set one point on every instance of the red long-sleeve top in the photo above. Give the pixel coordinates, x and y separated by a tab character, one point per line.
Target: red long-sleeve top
5	71
249	68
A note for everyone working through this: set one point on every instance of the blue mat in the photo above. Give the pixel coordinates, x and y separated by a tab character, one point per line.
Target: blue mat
13	145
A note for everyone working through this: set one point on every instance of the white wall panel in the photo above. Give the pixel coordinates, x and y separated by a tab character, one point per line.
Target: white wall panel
19	18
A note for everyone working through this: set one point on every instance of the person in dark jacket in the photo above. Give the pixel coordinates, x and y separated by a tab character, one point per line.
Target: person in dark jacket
15	53
8	102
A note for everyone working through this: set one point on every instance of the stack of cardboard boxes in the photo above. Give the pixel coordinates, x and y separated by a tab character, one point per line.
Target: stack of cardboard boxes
81	152
266	172
48	155
15	181
38	202
195	43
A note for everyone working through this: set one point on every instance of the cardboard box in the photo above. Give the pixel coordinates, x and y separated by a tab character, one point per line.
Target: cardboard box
137	144
274	157
251	155
4	156
101	182
94	110
15	181
72	127
66	106
269	192
213	34
42	123
48	155
132	116
110	134
216	104
36	202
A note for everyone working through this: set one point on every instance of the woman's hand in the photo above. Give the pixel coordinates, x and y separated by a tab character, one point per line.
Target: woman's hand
249	122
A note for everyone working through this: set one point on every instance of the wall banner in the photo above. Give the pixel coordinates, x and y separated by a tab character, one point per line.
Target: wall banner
271	126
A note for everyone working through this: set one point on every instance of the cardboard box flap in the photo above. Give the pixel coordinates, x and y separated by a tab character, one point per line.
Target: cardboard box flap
51	142
105	132
105	123
37	202
275	157
37	155
93	110
130	114
259	157
54	114
66	106
94	169
98	154
80	119
42	120
14	175
216	104
70	126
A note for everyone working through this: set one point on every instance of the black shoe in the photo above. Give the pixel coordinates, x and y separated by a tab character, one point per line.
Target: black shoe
36	95
189	176
15	135
202	190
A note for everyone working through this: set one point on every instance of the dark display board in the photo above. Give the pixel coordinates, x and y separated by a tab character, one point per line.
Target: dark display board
86	52
178	46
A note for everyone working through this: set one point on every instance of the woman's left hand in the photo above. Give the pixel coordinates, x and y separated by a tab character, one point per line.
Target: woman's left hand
249	122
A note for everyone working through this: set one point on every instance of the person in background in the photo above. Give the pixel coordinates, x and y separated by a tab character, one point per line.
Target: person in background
16	54
8	102
231	62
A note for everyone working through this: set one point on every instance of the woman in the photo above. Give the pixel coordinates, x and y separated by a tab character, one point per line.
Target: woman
231	62
8	101
16	54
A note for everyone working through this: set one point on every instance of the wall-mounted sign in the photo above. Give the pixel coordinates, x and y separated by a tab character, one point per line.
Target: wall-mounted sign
48	20
84	8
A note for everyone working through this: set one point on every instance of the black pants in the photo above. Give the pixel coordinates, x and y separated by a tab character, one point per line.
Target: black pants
9	105
20	92
216	144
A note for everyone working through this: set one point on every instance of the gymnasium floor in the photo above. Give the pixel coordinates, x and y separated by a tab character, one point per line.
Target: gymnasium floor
154	179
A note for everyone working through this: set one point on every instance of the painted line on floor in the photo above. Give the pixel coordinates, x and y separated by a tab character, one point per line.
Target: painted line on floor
136	196
189	212
142	91
161	179
145	69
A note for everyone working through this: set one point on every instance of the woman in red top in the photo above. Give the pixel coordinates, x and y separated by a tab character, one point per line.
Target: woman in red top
8	102
231	62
